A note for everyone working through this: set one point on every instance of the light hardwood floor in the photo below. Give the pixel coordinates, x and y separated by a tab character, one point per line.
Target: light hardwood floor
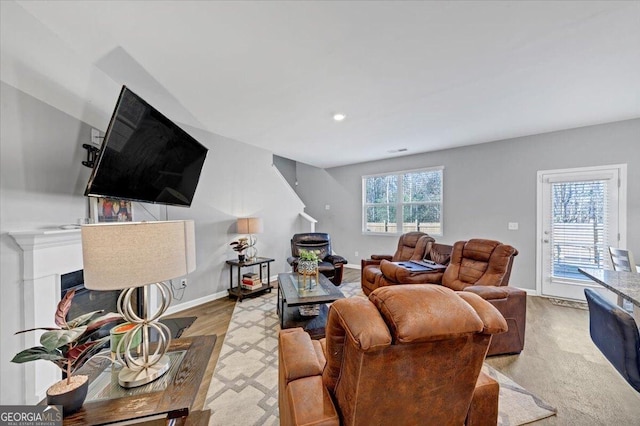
212	318
559	363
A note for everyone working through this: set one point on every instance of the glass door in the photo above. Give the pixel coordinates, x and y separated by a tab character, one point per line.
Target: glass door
579	216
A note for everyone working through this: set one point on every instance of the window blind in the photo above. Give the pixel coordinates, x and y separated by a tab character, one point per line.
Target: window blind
580	228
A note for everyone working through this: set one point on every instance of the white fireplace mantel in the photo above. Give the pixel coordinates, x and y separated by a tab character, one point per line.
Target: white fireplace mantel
47	255
28	240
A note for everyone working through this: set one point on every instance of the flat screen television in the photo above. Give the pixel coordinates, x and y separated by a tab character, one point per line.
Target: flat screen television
146	157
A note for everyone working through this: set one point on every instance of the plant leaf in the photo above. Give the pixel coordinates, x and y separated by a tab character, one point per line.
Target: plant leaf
35	353
63	308
78	355
103	320
81	320
58	338
39	328
76	352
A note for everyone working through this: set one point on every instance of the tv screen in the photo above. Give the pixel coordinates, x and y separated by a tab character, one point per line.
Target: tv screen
146	157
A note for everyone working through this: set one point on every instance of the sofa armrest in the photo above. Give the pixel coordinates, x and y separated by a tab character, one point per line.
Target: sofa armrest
493	293
397	274
308	403
335	259
298	354
484	404
292	260
494	322
381	256
368	262
488	292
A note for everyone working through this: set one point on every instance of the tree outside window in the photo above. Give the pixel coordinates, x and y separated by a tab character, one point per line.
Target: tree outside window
401	202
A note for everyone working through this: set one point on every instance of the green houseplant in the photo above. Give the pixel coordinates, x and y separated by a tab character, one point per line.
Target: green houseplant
308	262
308	267
68	346
309	255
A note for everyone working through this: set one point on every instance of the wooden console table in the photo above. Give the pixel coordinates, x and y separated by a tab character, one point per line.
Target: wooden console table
175	400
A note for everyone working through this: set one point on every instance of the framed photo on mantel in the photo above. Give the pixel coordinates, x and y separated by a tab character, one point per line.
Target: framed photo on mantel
111	210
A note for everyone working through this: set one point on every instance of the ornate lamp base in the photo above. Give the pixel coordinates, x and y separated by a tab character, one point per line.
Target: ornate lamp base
143	369
129	378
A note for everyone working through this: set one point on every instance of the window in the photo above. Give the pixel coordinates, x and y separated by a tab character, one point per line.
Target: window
579	227
402	202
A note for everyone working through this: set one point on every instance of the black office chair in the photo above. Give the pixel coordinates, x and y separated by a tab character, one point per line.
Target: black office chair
616	334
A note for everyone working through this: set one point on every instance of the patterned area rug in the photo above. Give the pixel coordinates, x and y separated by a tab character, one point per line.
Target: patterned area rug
244	387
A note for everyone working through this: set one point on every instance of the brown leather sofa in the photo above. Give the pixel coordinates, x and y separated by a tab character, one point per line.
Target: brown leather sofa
411	246
483	267
479	266
408	355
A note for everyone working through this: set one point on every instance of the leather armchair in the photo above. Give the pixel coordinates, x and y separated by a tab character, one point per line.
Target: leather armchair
411	246
330	265
407	355
483	267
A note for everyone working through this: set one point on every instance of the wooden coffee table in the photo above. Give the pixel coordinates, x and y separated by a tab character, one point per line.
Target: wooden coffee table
293	293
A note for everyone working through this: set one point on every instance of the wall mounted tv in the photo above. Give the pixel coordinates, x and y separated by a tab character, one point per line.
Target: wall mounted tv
146	157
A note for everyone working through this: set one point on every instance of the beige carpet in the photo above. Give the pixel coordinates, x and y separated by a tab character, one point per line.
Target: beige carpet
244	387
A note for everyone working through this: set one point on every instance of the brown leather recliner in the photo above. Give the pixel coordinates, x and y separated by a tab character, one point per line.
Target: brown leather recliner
408	355
483	267
411	246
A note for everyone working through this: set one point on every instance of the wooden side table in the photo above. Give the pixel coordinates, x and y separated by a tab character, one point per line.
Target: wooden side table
175	400
239	292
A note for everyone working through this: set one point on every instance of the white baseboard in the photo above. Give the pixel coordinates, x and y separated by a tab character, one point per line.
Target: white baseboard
193	303
352	266
530	291
196	302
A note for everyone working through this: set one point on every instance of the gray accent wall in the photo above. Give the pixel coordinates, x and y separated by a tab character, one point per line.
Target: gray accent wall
485	187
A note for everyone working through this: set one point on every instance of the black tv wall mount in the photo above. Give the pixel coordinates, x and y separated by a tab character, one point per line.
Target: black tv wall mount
92	154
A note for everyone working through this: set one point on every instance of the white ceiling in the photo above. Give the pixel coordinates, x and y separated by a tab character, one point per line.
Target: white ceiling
416	75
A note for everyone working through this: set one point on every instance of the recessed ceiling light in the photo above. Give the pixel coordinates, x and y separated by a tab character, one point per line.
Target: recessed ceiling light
339	117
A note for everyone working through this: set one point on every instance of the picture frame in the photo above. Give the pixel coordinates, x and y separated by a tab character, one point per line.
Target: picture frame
106	209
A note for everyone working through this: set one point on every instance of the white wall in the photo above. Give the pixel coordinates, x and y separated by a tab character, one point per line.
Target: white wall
485	187
42	185
45	119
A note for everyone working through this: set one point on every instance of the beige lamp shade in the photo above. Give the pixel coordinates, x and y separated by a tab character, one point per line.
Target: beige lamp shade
123	255
249	225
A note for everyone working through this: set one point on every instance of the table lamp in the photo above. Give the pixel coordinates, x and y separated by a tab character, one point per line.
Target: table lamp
126	256
251	226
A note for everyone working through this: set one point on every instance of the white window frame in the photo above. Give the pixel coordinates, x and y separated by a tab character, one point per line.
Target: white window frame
399	204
